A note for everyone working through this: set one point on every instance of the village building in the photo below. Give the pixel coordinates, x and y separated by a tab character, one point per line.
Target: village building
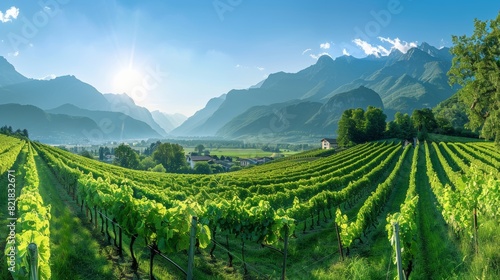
192	160
247	162
329	143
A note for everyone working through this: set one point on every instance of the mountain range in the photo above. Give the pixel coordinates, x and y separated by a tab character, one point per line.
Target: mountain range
66	109
403	81
309	102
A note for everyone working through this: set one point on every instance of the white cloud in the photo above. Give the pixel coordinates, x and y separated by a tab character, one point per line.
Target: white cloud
260	68
371	50
16	53
49	77
9	15
237	66
317	56
378	50
345	52
442	44
399	45
306	50
325	46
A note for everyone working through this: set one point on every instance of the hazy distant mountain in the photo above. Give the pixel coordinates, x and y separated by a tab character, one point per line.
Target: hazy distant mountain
168	121
189	127
8	74
298	117
71	96
49	128
58	128
404	81
53	93
112	125
124	104
258	85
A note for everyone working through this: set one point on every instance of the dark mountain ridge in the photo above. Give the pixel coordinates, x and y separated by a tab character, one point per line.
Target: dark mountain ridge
298	116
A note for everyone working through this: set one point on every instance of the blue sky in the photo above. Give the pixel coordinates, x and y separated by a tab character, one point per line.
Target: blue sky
176	55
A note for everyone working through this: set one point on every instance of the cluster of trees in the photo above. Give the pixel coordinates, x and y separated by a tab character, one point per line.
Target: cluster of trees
104	152
401	127
217	144
7	130
357	126
161	157
271	148
452	119
418	125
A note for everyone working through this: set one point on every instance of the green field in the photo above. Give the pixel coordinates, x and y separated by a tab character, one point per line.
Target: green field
242	152
436	187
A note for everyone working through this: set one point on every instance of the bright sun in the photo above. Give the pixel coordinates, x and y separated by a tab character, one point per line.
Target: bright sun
125	80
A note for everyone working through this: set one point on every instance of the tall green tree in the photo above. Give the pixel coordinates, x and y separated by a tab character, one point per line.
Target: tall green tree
358	115
152	148
346	129
202	168
476	67
424	118
199	148
406	128
392	130
171	156
374	123
147	163
126	157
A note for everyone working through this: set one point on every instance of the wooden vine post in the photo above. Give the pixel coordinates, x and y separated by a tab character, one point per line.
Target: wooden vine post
33	261
339	241
192	242
285	254
398	252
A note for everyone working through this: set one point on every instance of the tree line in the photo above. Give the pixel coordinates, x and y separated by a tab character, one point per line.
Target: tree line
8	130
160	157
357	125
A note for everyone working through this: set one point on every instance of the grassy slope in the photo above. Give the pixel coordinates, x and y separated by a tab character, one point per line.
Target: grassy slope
240	152
4	273
74	252
446	138
438	255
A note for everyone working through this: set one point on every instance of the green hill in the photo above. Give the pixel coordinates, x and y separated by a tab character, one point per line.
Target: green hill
298	117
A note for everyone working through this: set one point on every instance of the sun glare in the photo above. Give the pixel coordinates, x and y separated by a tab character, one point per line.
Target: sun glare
126	79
